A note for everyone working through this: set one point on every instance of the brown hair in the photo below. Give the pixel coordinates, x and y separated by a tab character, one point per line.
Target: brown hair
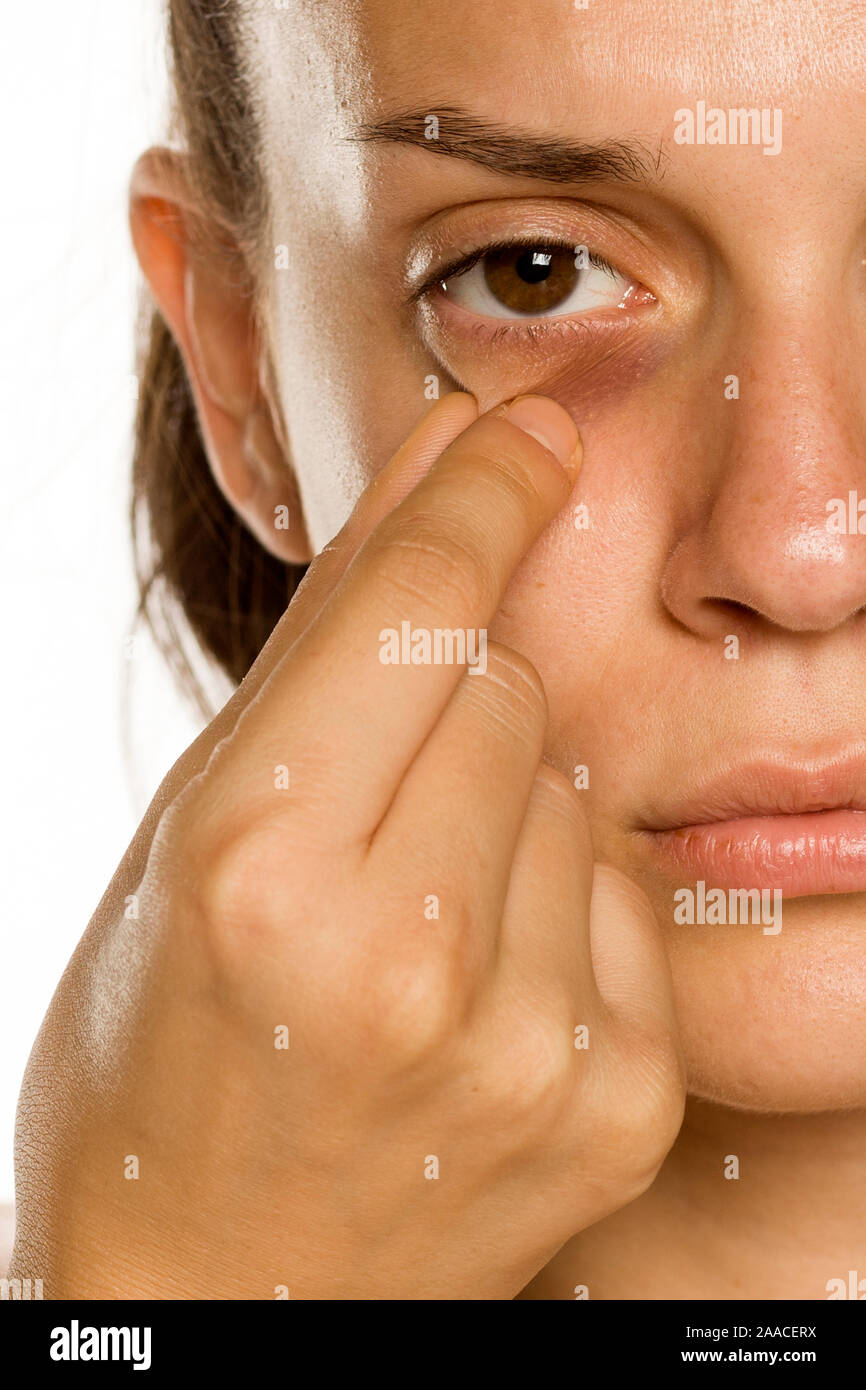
200	572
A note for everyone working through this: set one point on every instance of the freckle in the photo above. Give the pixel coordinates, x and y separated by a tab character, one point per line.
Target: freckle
540	584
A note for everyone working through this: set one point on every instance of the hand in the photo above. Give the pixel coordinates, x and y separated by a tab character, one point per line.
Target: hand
339	1038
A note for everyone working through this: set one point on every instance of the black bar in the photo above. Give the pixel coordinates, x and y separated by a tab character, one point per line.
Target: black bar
296	1338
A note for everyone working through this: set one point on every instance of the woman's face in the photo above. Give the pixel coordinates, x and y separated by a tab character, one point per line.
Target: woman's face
718	376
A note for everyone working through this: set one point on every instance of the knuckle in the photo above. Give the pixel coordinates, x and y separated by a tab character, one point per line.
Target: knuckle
407	1015
558	793
526	1084
234	877
642	1120
515	681
419	559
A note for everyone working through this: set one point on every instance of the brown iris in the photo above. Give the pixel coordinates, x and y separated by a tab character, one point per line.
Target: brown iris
530	280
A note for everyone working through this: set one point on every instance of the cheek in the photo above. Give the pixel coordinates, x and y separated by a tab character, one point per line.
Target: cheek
606	385
584	605
591	580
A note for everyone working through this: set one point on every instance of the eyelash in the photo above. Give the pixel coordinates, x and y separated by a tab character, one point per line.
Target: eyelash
461	264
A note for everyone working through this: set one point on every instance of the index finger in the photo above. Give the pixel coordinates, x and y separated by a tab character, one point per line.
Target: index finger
350	721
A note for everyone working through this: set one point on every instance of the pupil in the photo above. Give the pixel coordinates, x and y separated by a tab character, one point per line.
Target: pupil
533	266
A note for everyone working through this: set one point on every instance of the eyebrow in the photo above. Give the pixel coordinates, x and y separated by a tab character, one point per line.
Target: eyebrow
507	150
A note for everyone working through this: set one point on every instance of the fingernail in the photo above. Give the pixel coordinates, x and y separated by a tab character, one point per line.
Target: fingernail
549	424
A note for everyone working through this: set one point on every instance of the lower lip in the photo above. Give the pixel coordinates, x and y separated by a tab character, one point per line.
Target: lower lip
818	852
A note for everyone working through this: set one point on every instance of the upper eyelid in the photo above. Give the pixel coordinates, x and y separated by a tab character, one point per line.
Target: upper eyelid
462	264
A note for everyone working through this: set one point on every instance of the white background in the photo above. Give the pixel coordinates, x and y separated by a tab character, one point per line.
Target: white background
82	92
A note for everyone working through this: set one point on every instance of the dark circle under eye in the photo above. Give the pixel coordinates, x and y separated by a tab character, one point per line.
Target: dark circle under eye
531	279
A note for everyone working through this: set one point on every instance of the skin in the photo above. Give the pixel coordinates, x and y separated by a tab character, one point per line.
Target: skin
707	519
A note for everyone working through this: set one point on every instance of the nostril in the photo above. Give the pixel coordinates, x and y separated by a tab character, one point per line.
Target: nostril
733	606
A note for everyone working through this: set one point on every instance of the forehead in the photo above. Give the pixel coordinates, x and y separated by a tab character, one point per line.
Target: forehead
551	58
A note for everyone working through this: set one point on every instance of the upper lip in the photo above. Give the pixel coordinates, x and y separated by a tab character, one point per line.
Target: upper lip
767	787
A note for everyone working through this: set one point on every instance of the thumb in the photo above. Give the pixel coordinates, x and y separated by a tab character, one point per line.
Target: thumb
628	953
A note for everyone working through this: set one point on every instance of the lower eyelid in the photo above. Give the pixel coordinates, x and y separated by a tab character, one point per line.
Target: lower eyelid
581	363
588	326
579	360
562	326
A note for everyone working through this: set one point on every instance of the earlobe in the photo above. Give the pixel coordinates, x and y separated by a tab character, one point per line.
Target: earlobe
206	298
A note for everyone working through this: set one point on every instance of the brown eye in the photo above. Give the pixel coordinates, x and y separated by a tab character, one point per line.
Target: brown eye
531	280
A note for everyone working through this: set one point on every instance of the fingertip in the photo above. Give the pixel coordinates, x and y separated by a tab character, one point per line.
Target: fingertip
447	418
459	408
550	424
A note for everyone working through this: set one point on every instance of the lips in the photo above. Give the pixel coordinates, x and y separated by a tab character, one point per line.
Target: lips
798	827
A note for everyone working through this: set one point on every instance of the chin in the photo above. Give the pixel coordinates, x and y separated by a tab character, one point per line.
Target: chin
776	1024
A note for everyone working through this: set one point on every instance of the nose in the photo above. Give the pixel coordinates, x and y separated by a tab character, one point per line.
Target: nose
771	534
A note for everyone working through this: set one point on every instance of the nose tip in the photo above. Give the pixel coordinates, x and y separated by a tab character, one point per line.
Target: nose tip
803	580
775	536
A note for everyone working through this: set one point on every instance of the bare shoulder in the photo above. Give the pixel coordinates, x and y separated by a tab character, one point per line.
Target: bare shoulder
7	1229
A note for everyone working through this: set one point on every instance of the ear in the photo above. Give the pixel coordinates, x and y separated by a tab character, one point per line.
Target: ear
197	277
